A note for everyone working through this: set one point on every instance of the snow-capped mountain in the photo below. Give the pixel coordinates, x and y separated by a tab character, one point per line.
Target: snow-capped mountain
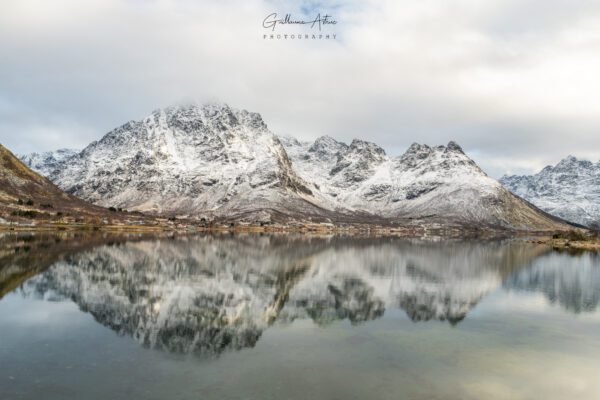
48	162
436	184
570	189
192	160
215	161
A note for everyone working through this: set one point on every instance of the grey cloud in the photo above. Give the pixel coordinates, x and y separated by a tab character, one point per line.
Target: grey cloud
513	82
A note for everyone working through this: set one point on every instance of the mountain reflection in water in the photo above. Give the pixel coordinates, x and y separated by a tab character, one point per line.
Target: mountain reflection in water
208	294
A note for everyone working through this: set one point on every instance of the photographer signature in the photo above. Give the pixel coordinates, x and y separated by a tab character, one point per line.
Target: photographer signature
271	21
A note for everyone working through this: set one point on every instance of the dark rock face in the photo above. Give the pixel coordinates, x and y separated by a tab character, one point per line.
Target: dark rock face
419	190
326	146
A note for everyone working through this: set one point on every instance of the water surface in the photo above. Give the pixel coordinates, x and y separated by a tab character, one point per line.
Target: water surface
293	317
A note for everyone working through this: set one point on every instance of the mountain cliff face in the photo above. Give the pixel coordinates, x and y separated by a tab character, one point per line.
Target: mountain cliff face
570	189
215	161
430	184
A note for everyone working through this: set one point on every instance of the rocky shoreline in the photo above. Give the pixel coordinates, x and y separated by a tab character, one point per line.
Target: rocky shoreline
151	225
566	244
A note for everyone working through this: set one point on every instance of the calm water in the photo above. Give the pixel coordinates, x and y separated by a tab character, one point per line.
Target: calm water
284	317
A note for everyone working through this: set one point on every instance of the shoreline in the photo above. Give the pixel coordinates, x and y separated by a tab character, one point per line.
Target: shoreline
303	228
592	244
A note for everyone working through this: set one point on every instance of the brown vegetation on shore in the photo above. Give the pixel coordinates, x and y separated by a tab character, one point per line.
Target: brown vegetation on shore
573	239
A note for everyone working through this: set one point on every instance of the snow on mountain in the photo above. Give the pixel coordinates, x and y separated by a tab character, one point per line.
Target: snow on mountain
191	160
436	184
215	161
570	189
47	163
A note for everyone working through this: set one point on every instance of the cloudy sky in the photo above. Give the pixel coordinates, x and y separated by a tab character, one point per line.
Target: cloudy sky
515	82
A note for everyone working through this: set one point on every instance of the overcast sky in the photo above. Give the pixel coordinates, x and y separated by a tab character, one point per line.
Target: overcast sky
515	82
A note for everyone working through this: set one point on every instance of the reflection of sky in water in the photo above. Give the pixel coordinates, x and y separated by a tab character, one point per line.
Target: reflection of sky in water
306	303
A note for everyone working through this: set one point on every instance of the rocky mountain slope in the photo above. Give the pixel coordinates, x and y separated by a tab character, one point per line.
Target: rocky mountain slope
18	182
431	184
208	160
570	189
47	163
215	161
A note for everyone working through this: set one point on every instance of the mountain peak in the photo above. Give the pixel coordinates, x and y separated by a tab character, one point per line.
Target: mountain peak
453	146
567	189
215	116
364	146
417	151
326	139
571	163
568	160
417	147
196	106
326	146
422	151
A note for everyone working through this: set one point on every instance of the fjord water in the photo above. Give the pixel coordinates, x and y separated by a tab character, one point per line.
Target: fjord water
296	317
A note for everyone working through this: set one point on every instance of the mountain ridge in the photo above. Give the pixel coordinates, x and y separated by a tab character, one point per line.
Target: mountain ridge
570	189
214	161
47	163
437	183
